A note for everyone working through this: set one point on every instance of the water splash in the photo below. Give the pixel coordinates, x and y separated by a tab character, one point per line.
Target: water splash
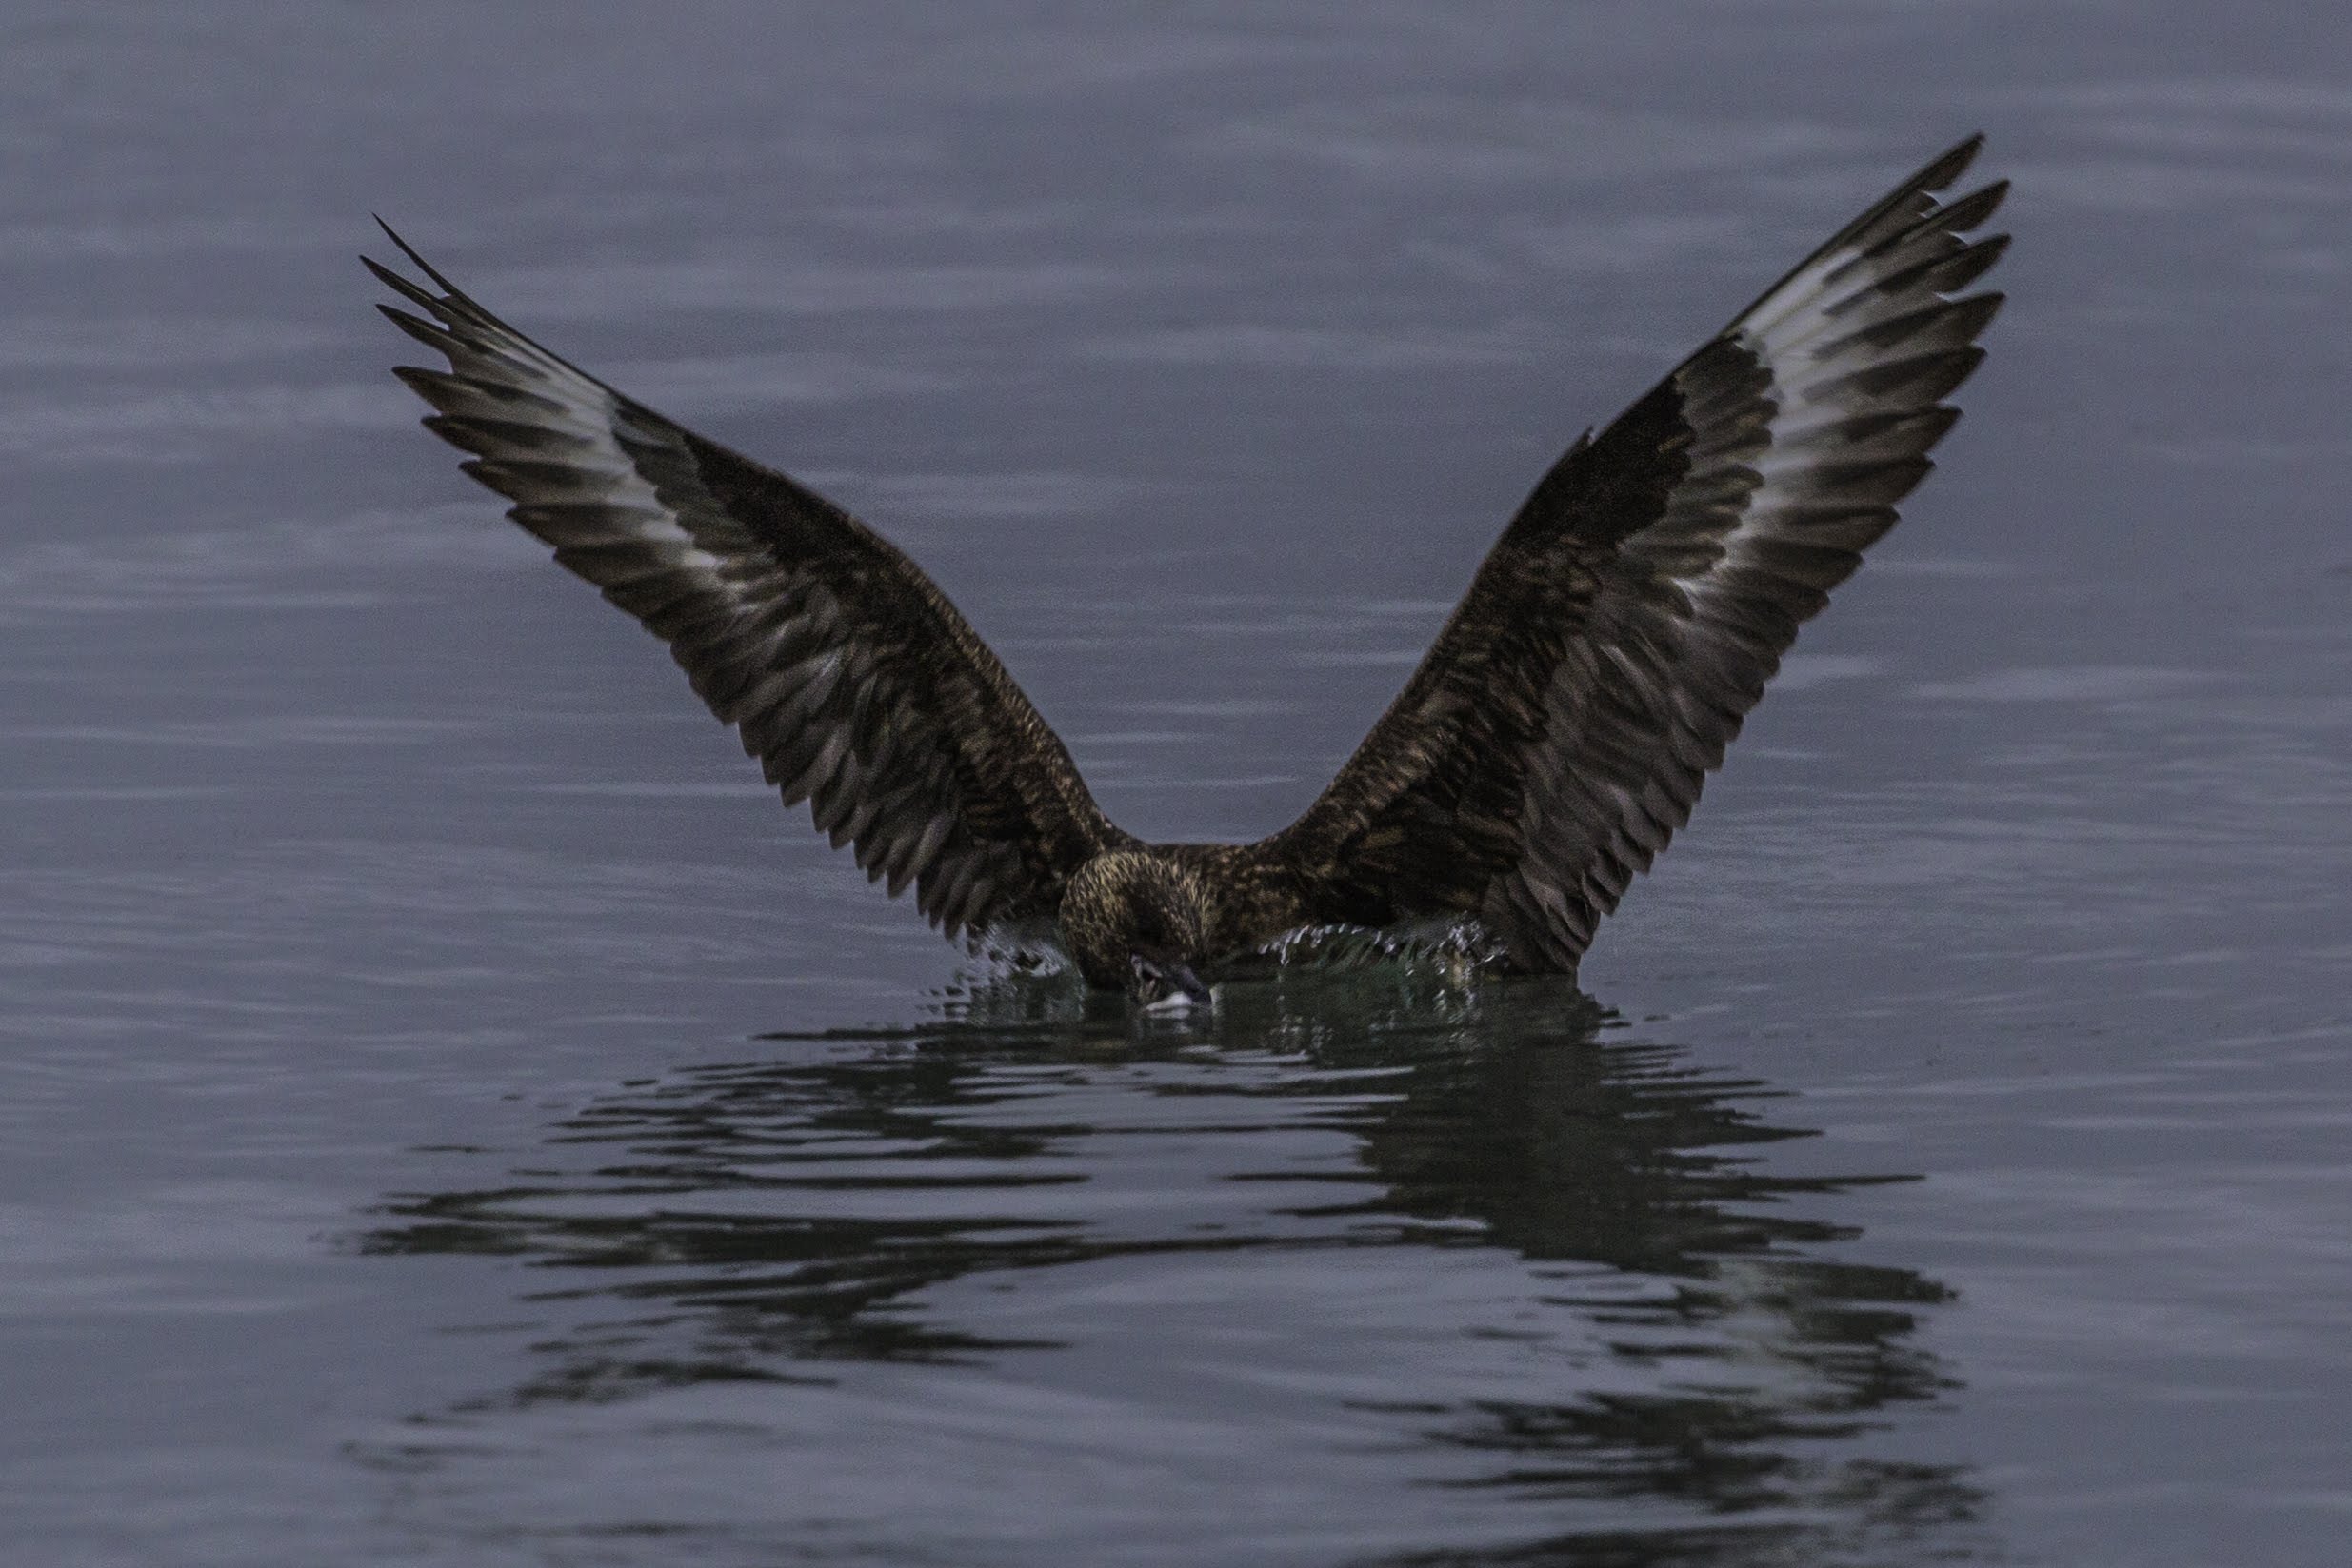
1455	952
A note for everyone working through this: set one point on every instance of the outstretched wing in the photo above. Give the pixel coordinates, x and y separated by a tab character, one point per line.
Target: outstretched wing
850	677
1611	643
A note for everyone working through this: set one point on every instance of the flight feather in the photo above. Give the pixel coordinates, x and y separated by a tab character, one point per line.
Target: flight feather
847	672
1561	727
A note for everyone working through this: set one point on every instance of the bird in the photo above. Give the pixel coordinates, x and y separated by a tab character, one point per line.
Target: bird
1554	738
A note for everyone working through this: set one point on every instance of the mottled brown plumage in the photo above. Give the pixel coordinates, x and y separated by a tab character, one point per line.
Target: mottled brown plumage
1554	738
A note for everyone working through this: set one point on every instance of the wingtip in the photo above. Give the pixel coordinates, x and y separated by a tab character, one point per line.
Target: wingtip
1950	163
390	234
1964	214
1995	195
419	262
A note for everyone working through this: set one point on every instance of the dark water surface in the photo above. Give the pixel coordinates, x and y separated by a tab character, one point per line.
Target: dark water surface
449	1114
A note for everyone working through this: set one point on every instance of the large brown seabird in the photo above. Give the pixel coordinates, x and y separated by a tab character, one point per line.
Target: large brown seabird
1553	739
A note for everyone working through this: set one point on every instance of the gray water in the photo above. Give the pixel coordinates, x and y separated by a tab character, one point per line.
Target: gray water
450	1116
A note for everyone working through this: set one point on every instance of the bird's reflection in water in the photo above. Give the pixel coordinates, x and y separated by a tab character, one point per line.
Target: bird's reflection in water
818	1205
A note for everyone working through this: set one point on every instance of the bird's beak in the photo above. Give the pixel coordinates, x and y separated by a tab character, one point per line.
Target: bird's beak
1166	986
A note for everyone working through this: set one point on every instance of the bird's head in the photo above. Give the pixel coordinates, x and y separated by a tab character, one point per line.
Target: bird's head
1137	922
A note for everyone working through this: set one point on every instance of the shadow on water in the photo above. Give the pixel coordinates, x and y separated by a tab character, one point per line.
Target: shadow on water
782	1218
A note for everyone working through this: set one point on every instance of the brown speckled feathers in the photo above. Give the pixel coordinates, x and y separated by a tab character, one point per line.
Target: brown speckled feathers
1555	737
1560	729
848	675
